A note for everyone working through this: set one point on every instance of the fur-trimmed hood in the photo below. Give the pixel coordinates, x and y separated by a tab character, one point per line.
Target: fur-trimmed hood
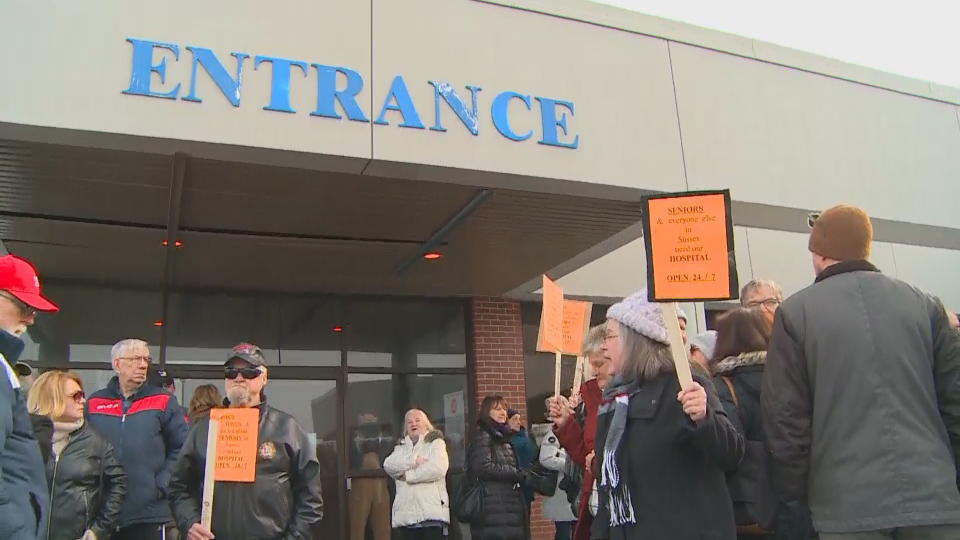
429	438
730	363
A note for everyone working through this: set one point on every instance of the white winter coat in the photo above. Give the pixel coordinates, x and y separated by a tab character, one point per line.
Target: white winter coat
557	507
421	489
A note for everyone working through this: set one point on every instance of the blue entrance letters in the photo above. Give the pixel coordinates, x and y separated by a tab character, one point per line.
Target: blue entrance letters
337	92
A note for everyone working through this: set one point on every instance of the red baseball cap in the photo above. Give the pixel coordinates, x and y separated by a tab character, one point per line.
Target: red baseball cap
19	278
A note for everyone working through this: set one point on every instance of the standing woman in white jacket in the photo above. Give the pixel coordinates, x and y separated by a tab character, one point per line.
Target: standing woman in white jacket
419	464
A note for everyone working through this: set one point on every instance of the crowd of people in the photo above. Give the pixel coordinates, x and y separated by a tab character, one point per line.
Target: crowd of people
832	414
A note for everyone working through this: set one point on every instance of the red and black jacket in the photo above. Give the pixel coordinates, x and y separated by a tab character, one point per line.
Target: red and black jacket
147	431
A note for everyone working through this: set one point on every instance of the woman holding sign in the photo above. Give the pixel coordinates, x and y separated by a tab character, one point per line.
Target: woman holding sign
661	450
87	482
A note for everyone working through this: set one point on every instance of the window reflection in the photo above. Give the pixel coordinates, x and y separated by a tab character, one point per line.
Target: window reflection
405	334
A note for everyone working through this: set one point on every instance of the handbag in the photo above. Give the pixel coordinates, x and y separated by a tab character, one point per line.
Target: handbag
542	479
467	500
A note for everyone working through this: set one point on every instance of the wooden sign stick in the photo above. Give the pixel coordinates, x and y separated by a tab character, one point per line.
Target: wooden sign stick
578	375
556	377
677	348
209	471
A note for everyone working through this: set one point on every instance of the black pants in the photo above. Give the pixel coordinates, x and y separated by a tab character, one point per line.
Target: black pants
418	533
142	531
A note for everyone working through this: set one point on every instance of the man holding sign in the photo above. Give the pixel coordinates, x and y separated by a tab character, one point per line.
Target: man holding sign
267	473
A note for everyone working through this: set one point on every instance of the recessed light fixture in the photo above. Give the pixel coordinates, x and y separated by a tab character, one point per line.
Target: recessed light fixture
432	255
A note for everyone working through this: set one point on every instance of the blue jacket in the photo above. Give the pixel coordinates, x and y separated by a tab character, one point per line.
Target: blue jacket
23	487
147	431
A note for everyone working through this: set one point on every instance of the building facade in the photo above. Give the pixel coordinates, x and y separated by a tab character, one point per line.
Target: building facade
198	175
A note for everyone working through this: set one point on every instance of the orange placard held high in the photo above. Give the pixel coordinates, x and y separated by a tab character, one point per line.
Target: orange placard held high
551	318
576	323
236	444
689	243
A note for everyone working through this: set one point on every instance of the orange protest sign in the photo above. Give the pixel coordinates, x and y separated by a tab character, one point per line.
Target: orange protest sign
689	244
236	444
576	323
551	317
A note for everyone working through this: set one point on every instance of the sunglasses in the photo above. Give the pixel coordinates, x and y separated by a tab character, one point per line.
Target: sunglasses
77	396
247	373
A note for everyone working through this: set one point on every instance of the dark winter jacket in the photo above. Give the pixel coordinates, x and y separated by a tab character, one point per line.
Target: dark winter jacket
677	471
526	451
87	487
146	432
23	488
283	502
43	431
860	402
738	380
492	459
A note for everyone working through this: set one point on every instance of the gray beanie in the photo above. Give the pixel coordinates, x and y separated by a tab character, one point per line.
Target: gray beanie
706	342
640	315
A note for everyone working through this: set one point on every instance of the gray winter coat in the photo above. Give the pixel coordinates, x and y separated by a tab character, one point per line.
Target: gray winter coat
861	402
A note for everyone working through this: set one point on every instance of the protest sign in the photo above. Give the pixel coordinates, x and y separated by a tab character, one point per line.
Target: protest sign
576	324
690	257
236	457
550	338
689	244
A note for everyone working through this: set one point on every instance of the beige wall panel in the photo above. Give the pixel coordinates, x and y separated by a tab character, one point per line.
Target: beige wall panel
741	246
931	269
623	271
619	273
782	257
72	62
882	256
619	83
784	137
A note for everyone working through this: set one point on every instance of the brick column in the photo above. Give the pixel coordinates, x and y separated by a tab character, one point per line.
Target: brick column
497	340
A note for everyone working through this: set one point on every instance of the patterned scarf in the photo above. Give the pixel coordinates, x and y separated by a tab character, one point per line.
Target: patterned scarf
614	471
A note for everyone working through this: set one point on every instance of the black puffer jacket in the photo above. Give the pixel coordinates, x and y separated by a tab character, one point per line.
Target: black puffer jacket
87	487
283	502
492	459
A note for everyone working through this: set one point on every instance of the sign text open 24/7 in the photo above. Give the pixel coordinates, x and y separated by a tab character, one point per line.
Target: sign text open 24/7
689	244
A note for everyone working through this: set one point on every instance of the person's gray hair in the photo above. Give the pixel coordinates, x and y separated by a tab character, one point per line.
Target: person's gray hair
124	345
426	420
756	284
594	340
643	358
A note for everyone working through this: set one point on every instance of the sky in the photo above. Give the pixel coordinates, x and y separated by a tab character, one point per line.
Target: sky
919	39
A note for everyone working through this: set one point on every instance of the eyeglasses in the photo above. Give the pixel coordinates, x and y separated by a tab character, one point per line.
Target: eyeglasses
247	373
766	302
77	396
26	311
137	359
812	218
607	338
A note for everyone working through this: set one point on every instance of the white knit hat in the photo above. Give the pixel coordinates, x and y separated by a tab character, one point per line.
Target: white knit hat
706	342
640	315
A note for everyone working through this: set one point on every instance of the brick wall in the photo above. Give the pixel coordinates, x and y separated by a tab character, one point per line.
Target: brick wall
498	368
